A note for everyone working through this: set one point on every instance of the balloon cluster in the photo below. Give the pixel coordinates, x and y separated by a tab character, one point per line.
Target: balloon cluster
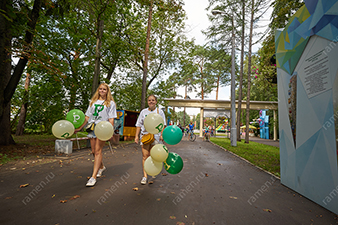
159	153
74	119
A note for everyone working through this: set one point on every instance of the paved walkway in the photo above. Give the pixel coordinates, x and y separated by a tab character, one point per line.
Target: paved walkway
259	140
214	187
265	141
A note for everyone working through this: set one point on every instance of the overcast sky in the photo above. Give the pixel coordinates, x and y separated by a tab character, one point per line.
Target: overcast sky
198	21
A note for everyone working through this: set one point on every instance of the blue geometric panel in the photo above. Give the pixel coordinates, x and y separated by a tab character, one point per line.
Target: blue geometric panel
311	19
307	49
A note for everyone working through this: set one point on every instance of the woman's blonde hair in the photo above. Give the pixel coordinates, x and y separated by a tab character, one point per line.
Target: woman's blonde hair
96	96
152	95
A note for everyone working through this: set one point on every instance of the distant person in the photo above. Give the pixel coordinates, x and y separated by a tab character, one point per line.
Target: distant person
101	108
140	131
206	132
191	127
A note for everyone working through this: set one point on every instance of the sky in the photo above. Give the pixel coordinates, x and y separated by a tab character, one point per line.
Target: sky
198	21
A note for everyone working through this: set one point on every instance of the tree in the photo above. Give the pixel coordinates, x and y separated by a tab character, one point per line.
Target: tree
8	82
239	110
249	72
204	76
146	52
22	120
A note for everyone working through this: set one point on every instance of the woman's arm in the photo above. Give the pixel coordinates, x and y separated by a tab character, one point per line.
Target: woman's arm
111	120
84	123
137	134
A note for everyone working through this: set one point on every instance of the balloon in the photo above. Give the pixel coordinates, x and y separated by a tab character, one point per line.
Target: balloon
152	167
104	130
76	117
153	123
159	152
174	163
63	129
172	135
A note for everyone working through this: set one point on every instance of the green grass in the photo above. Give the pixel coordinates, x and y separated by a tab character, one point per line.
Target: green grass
33	145
263	156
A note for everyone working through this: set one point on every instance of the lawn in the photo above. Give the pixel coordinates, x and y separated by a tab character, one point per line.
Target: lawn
32	145
263	156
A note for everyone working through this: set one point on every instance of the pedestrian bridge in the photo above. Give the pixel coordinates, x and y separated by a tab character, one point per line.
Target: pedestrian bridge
219	105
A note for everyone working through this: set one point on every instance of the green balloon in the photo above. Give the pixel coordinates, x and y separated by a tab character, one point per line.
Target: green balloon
172	135
174	163
76	117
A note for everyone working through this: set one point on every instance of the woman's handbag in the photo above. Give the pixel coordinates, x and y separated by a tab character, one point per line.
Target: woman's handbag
148	139
90	126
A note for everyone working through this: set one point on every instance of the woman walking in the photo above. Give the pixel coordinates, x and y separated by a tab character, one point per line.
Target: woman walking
140	131
101	108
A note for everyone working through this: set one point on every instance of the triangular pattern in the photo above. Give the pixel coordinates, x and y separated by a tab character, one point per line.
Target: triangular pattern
331	154
311	5
288	163
306	116
316	16
315	168
333	10
303	153
308	45
306	22
327	30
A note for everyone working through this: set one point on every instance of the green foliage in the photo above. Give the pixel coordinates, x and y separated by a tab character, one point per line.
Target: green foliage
63	53
180	118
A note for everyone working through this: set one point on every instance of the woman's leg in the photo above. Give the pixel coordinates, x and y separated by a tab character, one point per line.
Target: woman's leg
145	155
98	157
93	146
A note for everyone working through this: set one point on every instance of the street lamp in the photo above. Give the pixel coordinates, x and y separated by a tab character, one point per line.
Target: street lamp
233	133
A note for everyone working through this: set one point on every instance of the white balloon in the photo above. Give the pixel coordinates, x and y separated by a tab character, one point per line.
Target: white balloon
159	152
63	129
153	123
104	130
152	167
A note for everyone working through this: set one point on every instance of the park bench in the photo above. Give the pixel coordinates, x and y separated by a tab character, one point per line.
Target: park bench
66	145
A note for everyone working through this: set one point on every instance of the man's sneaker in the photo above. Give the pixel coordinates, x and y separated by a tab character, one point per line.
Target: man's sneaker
91	182
144	180
99	173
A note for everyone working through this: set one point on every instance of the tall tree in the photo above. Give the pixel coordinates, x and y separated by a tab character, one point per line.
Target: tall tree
239	110
23	110
8	82
146	53
252	14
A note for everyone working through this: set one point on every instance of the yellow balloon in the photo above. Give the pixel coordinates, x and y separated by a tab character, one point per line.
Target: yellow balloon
63	129
159	152
104	130
152	167
153	123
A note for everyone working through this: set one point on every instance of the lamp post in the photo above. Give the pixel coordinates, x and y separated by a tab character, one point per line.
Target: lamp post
233	133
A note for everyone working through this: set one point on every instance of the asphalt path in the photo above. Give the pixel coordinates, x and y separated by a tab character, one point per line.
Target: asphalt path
214	187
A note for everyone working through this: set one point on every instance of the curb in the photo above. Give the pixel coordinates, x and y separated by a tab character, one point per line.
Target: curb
246	161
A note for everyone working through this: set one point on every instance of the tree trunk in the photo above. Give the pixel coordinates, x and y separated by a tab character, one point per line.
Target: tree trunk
146	52
99	33
202	78
5	74
21	124
241	75
217	88
185	97
8	82
249	75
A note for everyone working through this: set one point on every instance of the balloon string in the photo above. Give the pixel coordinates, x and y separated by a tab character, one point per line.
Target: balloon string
166	165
